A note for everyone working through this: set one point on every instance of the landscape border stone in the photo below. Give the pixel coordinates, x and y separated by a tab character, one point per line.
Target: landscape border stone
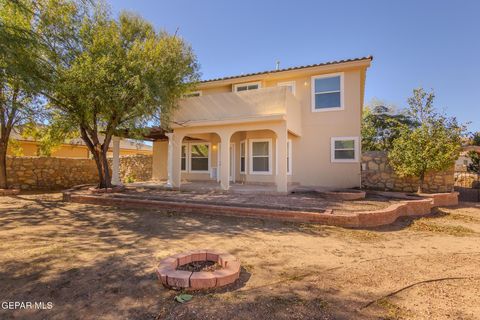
410	206
9	192
113	189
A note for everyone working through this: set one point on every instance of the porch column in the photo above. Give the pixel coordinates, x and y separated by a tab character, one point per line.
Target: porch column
175	174
281	177
170	161
225	160
116	161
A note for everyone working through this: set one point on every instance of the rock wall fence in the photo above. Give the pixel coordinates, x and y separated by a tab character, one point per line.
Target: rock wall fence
467	180
50	173
377	174
135	168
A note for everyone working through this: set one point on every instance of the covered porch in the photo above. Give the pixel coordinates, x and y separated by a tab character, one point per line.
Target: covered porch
253	154
231	139
227	140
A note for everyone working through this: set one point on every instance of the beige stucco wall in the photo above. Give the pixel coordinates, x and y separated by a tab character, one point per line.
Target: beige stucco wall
311	141
29	149
160	154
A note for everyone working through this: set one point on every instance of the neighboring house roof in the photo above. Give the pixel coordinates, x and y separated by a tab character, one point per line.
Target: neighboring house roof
125	144
471	148
288	69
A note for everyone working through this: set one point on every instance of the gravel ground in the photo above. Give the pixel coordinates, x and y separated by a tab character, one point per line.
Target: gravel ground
95	262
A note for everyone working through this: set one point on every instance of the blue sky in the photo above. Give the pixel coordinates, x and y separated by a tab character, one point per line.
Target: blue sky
434	44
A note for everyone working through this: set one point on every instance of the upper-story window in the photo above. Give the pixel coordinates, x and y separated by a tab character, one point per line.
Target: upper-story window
193	94
246	86
289	84
327	92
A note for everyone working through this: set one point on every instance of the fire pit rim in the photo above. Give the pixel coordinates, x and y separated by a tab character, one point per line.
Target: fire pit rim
172	278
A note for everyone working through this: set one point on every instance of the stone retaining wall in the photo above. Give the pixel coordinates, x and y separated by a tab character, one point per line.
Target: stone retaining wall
363	219
50	173
135	168
467	180
378	175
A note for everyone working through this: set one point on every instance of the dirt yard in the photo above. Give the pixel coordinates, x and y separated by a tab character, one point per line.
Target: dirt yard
96	262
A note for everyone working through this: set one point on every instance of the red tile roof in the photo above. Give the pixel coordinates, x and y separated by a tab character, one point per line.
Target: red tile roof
289	69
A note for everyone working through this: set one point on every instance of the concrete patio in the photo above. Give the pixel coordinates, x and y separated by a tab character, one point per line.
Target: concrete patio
212	186
375	210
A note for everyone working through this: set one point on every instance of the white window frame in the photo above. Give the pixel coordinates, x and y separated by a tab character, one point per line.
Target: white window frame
243	142
193	92
342	87
191	144
250	158
235	86
356	149
287	84
186	157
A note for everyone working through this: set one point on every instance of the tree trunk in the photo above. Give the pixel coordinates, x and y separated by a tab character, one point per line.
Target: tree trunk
99	153
420	184
3	165
104	178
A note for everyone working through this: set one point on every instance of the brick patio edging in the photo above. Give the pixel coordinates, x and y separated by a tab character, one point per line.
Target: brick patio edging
9	192
361	219
172	278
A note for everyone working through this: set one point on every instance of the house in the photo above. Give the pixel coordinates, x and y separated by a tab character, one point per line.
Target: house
463	161
288	127
75	148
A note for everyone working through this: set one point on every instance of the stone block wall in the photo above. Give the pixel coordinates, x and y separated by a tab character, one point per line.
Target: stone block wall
135	168
378	175
50	173
467	180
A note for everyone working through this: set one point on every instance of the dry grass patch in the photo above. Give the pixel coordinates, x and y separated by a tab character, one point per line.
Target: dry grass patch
458	231
393	311
463	217
364	235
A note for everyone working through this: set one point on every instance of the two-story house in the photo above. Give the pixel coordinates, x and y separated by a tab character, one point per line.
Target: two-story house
287	127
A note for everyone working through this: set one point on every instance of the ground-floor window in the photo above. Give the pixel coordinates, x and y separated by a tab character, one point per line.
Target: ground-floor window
260	156
184	157
344	149
243	153
199	157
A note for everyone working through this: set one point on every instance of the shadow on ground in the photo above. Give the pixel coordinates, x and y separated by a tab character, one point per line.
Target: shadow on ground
98	262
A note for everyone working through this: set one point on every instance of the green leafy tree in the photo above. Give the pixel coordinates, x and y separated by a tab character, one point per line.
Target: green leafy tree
22	72
432	146
475	165
113	75
381	125
14	148
475	139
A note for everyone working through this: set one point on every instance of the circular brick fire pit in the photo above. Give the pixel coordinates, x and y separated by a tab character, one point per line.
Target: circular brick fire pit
176	271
